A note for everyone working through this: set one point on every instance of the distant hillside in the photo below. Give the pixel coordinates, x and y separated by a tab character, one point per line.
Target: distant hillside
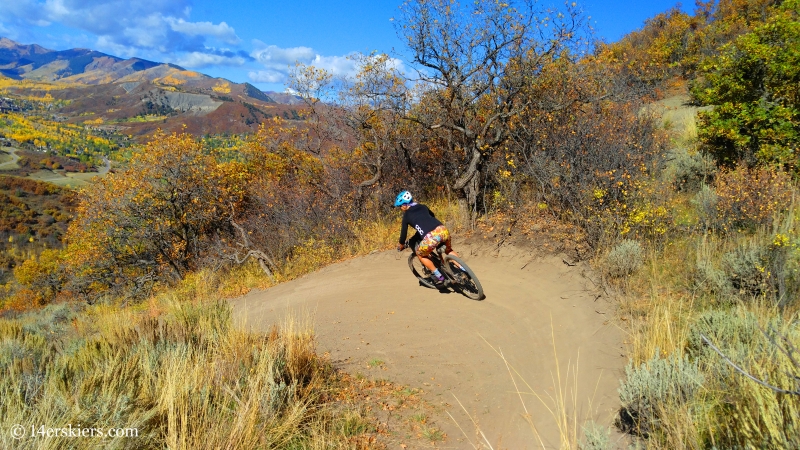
33	62
136	96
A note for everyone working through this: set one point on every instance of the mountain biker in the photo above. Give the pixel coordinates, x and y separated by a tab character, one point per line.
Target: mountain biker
429	230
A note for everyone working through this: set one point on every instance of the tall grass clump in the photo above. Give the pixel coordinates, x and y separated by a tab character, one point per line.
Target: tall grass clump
738	292
705	202
183	376
740	412
745	268
650	389
624	259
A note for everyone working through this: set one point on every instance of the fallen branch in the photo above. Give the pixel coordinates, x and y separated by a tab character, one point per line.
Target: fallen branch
264	261
743	372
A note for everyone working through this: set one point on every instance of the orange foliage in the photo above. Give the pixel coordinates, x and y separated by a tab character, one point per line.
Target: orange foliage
154	217
748	198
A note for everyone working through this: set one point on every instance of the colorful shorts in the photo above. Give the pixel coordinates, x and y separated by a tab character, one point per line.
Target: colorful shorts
432	240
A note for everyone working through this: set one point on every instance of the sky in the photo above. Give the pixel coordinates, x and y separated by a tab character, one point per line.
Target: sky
255	41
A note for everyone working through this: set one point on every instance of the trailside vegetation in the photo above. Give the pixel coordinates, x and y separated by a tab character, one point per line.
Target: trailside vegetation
713	309
177	373
694	230
754	83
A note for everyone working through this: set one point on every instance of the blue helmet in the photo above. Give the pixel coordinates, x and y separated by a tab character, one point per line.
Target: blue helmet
403	198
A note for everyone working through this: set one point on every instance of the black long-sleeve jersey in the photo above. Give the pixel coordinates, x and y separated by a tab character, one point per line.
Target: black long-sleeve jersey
419	217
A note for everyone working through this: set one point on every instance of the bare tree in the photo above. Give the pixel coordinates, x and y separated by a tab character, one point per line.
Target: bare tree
475	60
362	114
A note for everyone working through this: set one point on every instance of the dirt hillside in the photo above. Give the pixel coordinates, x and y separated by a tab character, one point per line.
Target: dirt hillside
371	309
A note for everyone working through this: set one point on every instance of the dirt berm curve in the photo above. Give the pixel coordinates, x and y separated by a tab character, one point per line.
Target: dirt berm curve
371	308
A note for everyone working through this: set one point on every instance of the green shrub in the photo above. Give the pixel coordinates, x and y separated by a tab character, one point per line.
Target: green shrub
711	280
624	259
688	171
595	437
651	388
739	412
705	202
735	334
753	83
746	269
756	267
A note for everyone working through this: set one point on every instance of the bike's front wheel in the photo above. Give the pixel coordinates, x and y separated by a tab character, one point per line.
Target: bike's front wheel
420	271
462	278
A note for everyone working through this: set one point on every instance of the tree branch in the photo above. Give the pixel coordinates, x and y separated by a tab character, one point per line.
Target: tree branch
742	371
260	256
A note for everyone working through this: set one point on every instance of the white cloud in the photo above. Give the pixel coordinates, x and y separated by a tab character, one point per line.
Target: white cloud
280	61
267	76
336	65
147	32
154	25
199	59
223	32
398	65
276	58
57	8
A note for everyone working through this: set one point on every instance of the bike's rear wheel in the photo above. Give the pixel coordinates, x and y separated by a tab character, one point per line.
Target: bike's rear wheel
420	271
463	279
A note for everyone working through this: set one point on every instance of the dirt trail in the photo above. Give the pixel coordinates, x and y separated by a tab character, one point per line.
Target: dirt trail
11	164
372	308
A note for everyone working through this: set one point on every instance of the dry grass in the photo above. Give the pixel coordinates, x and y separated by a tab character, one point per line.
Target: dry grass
682	289
661	307
655	310
178	372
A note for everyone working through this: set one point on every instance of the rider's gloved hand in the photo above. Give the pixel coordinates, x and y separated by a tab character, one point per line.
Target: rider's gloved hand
400	247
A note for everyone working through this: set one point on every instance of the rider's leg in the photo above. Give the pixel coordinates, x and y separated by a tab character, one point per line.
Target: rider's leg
436	275
427	263
449	250
423	253
427	246
445	237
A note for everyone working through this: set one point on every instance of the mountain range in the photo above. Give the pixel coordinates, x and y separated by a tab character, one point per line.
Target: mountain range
137	96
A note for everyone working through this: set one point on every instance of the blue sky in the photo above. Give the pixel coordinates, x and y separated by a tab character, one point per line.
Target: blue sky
253	41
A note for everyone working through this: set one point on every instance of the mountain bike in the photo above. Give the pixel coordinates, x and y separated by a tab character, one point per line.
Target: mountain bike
457	275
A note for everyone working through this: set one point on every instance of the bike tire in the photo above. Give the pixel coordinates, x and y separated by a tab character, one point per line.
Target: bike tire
465	282
419	271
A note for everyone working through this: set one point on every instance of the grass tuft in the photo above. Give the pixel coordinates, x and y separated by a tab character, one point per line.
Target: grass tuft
185	378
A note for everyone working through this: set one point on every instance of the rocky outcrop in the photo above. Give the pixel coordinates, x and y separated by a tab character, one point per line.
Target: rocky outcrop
184	102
